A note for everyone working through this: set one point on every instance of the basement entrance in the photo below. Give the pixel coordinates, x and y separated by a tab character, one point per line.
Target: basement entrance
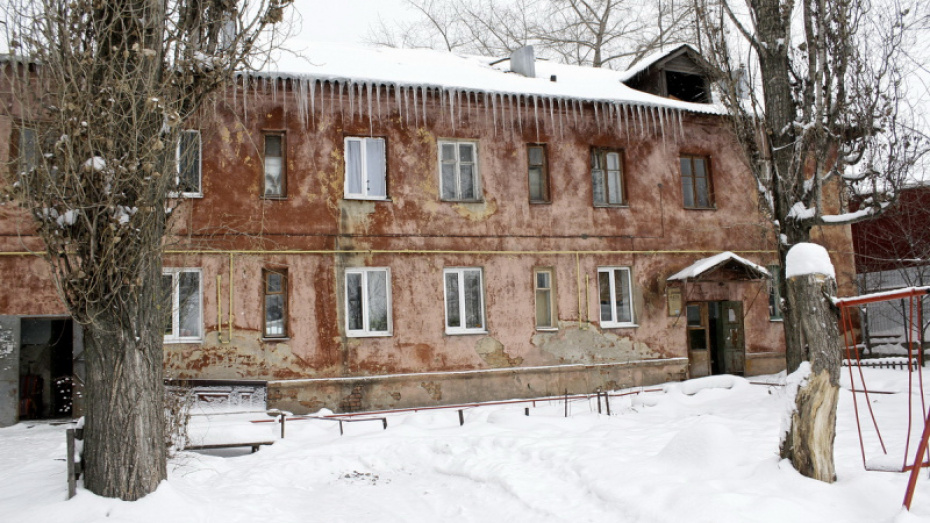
45	368
715	338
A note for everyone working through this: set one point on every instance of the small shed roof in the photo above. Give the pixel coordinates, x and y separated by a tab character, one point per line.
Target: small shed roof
716	261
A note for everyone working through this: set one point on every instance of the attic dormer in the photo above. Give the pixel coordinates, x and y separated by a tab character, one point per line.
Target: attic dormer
680	74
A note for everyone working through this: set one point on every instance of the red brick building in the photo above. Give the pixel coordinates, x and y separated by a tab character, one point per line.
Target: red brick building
388	228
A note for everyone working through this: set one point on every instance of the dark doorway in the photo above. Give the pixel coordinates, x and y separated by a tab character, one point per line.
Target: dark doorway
715	338
45	368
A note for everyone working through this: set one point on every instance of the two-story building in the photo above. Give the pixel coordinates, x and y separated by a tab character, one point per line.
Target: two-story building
389	228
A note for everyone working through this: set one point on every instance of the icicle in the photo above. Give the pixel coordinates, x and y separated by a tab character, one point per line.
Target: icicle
342	108
518	113
245	98
561	111
452	94
274	91
536	115
371	124
641	120
494	110
313	102
681	128
423	97
378	99
662	117
416	112
361	105
597	118
551	118
574	104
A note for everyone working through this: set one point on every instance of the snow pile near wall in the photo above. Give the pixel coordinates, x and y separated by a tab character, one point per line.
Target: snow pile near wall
808	258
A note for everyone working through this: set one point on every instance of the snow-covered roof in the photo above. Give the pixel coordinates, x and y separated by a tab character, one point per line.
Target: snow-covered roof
708	264
435	69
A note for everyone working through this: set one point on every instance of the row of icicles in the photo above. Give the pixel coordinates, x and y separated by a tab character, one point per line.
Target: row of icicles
507	112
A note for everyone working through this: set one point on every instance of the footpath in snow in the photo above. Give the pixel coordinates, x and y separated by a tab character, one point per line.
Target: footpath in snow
699	451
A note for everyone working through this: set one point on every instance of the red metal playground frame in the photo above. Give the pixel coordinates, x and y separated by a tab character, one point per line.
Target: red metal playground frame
849	305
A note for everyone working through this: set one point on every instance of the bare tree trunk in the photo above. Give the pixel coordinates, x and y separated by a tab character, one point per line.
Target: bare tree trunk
125	447
809	441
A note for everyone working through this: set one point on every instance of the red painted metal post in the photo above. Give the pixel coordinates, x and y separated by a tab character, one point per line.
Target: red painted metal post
915	470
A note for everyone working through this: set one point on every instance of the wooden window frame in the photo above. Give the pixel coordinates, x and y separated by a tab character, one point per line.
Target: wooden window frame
199	192
711	201
282	195
601	153
553	313
544	167
285	313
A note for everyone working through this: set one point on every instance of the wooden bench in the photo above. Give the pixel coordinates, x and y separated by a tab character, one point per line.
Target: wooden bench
254	444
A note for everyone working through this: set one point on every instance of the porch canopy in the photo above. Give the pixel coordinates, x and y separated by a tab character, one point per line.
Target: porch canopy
727	260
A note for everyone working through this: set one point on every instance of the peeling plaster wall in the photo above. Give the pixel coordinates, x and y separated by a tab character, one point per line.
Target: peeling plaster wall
653	235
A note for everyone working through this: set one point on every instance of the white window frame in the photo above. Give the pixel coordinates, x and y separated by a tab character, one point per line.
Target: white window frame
177	157
460	272
365	332
458	171
175	336
367	175
612	322
281	135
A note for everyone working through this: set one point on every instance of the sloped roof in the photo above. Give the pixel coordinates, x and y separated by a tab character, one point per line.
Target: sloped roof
706	265
435	69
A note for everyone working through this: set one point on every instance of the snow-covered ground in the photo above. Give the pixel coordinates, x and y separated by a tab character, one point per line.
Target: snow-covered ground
700	451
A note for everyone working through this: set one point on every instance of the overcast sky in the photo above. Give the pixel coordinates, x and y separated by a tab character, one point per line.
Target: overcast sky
345	20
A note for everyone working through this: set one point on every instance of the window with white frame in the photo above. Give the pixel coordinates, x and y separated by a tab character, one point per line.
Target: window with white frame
464	294
616	296
365	169
183	299
607	177
189	162
368	301
458	171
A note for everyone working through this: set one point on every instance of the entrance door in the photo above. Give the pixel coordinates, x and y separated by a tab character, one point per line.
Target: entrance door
715	338
699	342
731	337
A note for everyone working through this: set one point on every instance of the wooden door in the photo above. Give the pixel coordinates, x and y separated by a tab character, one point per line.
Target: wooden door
734	348
699	357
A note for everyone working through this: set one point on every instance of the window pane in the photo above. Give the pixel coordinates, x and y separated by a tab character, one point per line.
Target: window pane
377	301
448	181
702	193
700	169
189	304
613	161
189	161
694	315
687	191
273	185
473	317
622	284
685	166
597	182
542	280
537	192
467	177
167	289
374	155
273	146
354	295
697	339
448	152
536	155
452	300
274	315
603	285
354	166
466	153
615	191
274	283
543	308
